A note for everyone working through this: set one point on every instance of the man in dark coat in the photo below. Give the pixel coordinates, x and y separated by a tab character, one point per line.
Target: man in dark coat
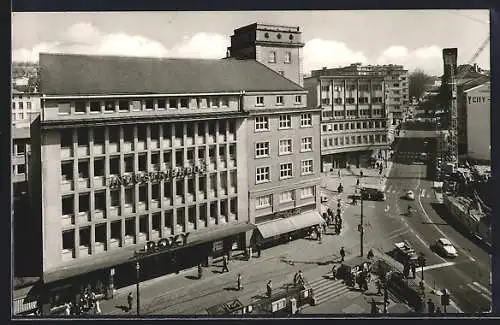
342	254
224	264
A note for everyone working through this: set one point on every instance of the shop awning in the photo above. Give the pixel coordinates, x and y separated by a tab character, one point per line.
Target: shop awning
285	225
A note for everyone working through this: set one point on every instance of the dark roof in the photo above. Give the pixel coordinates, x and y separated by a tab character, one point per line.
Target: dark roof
70	74
466	84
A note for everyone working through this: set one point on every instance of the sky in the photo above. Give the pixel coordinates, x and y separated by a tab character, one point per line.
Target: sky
414	38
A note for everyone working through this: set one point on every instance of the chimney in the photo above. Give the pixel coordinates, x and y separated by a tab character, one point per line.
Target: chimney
324	68
476	68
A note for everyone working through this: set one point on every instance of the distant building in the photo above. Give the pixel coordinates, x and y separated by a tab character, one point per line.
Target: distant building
475	104
397	96
354	123
25	106
277	47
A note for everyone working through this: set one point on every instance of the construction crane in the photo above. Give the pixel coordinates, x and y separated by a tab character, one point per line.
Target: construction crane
452	95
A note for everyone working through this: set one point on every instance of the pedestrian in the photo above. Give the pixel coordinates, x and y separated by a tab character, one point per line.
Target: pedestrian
324	226
200	271
438	310
357	181
374	308
334	272
339	173
259	248
318	231
370	254
296	279
130	299
269	288
339	227
225	267
67	309
97	308
342	254
431	307
340	188
361	173
413	270
379	287
240	285
301	276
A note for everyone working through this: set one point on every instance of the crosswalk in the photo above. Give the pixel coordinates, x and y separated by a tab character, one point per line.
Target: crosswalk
423	193
480	289
327	289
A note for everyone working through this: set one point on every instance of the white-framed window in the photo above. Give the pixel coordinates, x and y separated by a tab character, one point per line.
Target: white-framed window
298	99
285	121
285	146
279	100
272	57
306	120
307	192
286	196
306	167
262	175
28	105
13	105
286	170
288	57
260	100
261	123
263	201
306	144
21	105
262	149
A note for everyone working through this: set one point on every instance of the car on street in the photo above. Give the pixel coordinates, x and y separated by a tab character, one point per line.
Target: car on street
445	248
371	193
410	195
404	251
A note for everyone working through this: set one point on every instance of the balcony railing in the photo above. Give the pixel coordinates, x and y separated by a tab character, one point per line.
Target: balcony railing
142	237
231	137
222	163
167	231
212	221
128	240
177	142
190	226
98	149
67	220
84	250
98	214
189	141
200	140
231	217
179	228
201	195
211	193
155	234
155	204
211	139
232	162
232	189
66	152
141	145
178	200
114	243
211	165
155	144
128	208
67	254
83	217
99	247
167	143
99	181
127	146
141	206
66	186
167	201
221	138
114	211
189	197
83	151
112	147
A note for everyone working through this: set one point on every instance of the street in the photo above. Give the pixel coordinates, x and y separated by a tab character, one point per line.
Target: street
467	276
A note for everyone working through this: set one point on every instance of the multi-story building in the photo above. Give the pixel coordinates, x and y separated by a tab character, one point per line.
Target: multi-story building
476	102
183	154
397	96
277	47
24	107
354	123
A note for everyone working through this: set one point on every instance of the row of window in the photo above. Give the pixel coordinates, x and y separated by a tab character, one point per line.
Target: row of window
126	105
351	113
285	147
20	105
352	100
285	122
353	126
354	139
263	174
279	100
352	87
266	201
273	57
19	170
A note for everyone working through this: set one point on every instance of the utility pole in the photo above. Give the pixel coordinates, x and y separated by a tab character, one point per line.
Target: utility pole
138	269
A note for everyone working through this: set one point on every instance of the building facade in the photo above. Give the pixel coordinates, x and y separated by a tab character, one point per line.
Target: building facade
277	47
477	116
163	162
354	122
396	91
25	106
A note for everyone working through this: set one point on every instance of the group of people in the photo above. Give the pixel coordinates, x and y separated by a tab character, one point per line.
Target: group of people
333	220
88	304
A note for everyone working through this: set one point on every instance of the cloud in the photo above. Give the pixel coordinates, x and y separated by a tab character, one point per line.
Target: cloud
85	38
320	53
426	58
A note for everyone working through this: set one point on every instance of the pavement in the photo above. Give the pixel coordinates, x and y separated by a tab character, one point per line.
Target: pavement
183	293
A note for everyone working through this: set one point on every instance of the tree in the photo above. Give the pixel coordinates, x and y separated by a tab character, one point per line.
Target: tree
418	81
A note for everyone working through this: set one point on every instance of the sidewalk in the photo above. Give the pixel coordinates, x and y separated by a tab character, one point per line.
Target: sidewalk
184	294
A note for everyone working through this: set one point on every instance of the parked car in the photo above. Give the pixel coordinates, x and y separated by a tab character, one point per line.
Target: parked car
405	251
410	195
445	248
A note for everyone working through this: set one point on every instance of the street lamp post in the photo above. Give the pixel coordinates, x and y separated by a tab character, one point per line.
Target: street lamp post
361	230
138	269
